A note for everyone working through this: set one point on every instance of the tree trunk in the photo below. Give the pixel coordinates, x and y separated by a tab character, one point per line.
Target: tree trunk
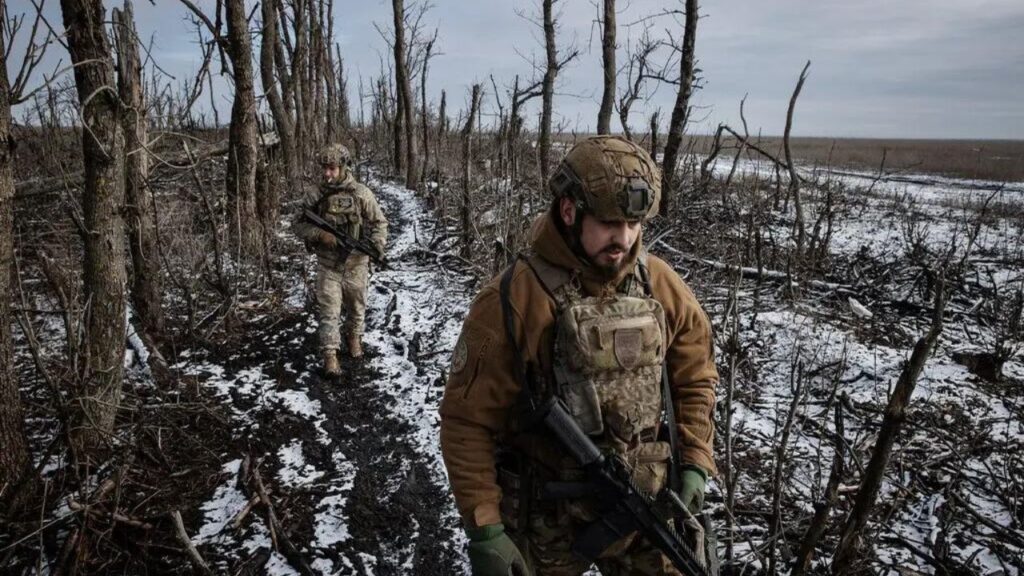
140	208
604	115
654	137
282	119
425	117
241	169
467	163
892	423
95	403
547	93
14	460
299	80
404	88
681	110
794	178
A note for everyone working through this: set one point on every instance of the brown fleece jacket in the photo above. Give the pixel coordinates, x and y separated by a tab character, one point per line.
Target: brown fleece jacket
482	388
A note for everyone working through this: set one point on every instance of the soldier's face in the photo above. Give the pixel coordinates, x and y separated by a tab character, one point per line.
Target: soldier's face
606	243
332	173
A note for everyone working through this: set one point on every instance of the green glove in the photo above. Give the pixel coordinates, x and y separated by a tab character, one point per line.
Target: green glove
493	553
694	479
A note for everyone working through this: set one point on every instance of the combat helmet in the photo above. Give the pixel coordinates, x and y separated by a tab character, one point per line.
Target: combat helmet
334	155
610	178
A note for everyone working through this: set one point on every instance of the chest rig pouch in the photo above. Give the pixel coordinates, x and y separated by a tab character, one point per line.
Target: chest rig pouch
341	209
608	357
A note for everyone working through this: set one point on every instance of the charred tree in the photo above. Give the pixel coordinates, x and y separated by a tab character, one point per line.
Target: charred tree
98	396
282	118
14	455
403	86
681	109
467	163
604	115
140	210
654	135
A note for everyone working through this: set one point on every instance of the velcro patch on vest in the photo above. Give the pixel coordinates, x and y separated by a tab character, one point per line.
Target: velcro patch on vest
340	204
629	345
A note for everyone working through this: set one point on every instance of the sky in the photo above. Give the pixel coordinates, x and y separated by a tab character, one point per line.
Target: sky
879	68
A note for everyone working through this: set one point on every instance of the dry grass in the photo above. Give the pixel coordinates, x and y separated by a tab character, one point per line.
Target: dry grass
999	160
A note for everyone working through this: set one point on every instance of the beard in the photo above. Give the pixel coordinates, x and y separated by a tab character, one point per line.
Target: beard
610	268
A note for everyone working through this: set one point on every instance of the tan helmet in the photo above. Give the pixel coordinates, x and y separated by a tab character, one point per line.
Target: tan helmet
334	155
610	178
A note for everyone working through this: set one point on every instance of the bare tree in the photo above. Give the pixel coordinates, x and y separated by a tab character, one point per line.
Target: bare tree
467	163
240	181
892	423
14	454
681	109
282	118
405	96
425	115
794	178
604	115
638	71
553	66
140	208
99	394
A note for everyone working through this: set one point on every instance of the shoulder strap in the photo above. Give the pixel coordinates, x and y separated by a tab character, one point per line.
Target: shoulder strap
644	273
508	317
554	279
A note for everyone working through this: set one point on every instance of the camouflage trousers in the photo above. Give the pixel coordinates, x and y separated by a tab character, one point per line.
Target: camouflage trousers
547	547
341	285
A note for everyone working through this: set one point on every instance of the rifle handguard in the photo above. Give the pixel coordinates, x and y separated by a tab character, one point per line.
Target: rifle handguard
554	415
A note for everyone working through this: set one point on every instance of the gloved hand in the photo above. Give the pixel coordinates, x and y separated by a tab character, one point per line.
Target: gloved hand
328	239
693	480
493	553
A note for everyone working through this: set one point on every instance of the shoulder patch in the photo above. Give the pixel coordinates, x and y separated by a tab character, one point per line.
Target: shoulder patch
460	355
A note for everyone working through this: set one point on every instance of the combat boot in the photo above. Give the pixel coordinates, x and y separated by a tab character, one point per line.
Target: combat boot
355	346
331	366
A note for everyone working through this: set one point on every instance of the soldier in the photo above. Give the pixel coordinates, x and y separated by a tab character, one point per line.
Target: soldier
589	316
341	278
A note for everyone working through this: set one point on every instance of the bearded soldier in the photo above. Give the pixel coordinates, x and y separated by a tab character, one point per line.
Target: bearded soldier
341	278
587	316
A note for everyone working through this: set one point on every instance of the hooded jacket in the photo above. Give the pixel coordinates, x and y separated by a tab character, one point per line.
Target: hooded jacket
482	387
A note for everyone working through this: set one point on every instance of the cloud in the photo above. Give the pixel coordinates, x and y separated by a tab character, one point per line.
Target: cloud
927	68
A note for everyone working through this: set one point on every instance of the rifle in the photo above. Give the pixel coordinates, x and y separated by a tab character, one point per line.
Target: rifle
346	243
630	508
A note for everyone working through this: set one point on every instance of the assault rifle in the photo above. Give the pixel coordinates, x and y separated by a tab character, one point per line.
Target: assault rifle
346	243
631	509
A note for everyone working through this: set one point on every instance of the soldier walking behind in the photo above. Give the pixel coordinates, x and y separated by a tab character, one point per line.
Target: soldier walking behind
341	278
590	317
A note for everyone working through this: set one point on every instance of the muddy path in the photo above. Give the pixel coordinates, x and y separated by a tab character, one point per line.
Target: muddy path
353	463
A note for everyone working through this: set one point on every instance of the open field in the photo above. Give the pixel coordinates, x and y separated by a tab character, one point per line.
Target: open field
998	160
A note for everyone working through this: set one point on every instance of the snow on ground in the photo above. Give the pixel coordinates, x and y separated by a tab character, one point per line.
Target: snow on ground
963	436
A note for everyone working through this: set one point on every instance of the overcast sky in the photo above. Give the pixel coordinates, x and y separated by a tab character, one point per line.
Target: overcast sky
880	68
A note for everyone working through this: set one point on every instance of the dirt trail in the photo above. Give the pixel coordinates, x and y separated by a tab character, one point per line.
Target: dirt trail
354	462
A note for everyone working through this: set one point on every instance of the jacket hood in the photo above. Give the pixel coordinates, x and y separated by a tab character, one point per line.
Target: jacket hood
548	242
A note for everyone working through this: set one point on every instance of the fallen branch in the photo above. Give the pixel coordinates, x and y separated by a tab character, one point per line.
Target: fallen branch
193	555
